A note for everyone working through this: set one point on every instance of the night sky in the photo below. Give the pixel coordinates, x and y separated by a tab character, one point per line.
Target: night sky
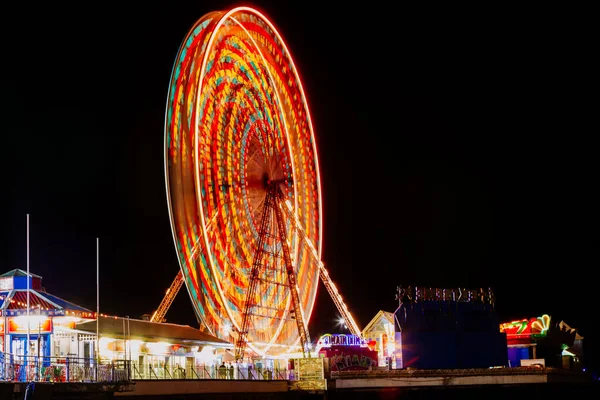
455	149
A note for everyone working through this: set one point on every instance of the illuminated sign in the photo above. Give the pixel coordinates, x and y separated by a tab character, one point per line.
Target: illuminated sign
329	340
534	327
351	359
36	325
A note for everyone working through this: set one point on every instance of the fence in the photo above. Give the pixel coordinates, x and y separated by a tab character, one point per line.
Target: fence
62	369
72	369
207	372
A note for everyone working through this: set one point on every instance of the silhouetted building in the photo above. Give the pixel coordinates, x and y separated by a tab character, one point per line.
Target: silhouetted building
448	328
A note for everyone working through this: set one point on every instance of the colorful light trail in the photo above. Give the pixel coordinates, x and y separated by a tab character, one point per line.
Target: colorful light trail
236	118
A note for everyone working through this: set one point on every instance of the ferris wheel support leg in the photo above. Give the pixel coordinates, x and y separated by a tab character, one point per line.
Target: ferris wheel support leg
302	329
240	346
161	311
329	285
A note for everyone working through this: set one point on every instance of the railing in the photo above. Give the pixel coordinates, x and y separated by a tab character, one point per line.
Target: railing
148	372
62	369
72	369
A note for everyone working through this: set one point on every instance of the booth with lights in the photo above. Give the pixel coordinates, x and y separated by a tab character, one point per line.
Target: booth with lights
380	334
347	352
540	340
42	322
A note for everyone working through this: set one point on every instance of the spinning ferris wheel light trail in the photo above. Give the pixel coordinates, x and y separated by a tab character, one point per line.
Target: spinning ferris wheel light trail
243	185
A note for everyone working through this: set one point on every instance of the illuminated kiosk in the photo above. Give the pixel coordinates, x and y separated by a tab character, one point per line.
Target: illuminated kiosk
449	329
542	341
48	316
346	352
380	334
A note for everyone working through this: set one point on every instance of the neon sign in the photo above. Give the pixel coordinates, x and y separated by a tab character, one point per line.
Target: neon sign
339	339
534	327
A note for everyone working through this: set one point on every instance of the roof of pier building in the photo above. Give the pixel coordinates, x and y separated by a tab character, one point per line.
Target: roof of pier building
126	328
14	298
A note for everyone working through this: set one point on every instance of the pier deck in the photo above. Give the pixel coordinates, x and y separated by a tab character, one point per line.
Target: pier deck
342	385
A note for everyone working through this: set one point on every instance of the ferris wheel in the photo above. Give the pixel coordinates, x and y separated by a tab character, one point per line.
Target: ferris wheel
243	184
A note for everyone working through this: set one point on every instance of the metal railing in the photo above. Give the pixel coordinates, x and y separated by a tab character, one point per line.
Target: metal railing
62	369
147	372
74	369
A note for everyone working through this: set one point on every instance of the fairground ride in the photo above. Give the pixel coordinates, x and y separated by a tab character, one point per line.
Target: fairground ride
243	188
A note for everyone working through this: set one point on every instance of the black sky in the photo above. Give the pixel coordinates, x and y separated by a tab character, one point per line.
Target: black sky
456	149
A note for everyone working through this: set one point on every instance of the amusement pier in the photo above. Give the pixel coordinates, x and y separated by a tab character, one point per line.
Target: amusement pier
436	340
243	192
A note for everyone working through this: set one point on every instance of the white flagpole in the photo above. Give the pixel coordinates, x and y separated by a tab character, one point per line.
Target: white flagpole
124	342
97	305
28	322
